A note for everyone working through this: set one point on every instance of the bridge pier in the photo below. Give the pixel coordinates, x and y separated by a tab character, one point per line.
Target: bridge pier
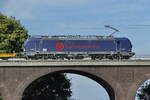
121	82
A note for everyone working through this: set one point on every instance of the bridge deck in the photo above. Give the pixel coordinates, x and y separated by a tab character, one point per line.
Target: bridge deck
37	63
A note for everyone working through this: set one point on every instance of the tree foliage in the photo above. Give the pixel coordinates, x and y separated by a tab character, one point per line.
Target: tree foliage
12	34
144	92
49	87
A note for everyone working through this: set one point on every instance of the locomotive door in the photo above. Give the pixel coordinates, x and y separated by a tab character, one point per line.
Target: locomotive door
118	45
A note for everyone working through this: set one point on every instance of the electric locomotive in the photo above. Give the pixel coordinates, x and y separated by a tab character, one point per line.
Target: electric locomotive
77	47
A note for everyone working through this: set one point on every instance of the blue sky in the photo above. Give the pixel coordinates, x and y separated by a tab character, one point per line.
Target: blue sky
84	88
84	17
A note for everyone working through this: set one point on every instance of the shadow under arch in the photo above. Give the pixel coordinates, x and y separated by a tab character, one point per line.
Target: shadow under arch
97	79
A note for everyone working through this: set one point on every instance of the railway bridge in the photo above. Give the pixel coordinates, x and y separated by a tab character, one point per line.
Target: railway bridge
121	79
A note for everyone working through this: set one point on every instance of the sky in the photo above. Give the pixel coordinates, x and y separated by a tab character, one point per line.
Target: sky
84	17
80	84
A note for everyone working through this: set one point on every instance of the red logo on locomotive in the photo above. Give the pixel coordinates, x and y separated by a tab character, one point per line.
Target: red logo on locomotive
60	46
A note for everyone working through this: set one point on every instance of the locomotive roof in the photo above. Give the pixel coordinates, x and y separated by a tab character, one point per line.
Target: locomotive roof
75	37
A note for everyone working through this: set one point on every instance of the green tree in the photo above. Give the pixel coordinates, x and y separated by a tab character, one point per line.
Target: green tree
12	34
144	92
49	87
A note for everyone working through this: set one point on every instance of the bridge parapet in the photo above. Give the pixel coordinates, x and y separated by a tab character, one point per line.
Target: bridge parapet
75	63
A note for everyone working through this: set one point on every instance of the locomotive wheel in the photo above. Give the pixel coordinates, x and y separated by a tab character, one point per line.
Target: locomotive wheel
68	58
111	58
93	57
116	57
98	57
125	57
79	57
60	57
37	57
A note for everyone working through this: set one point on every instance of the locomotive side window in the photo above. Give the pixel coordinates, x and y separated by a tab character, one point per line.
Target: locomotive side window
118	42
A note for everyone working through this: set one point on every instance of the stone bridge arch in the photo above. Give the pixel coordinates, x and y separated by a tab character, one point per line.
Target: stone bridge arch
136	84
4	92
111	85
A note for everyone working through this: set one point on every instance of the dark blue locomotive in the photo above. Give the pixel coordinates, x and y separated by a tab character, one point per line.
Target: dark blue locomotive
77	47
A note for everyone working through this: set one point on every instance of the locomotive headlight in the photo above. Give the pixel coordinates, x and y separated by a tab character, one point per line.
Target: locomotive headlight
23	48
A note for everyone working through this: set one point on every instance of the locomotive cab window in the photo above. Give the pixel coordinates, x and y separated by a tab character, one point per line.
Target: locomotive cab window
32	44
118	42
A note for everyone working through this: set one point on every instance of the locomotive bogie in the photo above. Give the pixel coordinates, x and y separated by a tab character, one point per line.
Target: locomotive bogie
69	55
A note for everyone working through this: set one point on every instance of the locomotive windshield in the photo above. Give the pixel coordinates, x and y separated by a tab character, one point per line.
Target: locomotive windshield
32	44
123	44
